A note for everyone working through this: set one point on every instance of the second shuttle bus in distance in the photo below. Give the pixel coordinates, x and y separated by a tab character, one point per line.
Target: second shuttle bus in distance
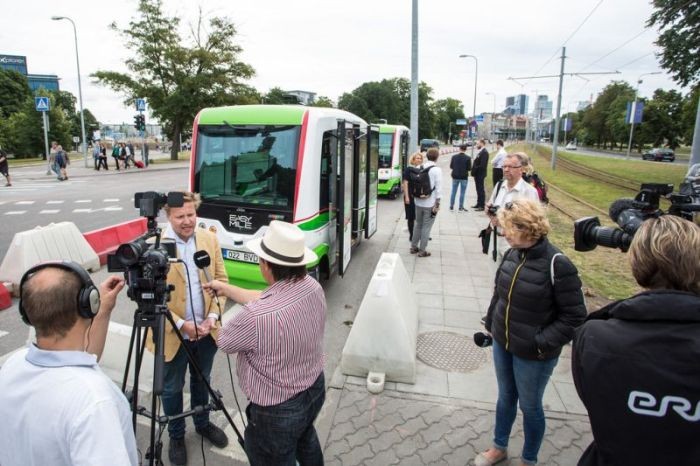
393	155
314	167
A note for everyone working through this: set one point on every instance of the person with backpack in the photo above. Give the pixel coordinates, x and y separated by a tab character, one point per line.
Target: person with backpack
530	176
479	167
460	164
426	186
416	160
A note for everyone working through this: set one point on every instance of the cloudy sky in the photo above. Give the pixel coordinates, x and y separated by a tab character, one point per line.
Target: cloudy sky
330	47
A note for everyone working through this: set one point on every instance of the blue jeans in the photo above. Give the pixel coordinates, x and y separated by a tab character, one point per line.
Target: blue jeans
522	380
204	351
282	434
462	187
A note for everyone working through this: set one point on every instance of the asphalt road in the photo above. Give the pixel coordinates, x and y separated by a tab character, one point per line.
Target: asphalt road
92	200
611	155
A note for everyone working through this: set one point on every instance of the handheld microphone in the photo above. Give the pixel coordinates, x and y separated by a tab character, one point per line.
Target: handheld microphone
203	261
482	339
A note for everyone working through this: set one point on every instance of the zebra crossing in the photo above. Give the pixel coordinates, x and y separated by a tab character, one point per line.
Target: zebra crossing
55	207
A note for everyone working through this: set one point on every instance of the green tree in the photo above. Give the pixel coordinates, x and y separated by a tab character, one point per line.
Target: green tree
179	76
662	121
322	101
603	121
14	92
678	22
276	96
447	111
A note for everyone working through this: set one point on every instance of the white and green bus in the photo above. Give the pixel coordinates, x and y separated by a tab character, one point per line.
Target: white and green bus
314	167
393	155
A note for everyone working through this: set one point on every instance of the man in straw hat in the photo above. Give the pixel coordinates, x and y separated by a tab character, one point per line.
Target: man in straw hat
278	336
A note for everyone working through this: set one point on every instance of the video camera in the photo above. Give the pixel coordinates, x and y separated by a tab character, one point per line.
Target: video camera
629	214
146	263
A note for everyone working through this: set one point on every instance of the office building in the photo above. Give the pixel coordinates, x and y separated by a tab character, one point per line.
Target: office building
18	63
516	105
543	108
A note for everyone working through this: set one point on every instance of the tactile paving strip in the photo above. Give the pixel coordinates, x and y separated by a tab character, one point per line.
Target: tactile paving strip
450	351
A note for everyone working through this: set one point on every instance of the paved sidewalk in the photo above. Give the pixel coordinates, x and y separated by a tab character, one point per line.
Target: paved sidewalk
447	416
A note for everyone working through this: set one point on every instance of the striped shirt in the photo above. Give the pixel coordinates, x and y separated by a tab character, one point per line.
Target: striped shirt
279	341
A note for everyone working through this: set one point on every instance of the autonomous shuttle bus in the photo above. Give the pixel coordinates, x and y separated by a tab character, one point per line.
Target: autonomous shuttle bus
393	155
314	167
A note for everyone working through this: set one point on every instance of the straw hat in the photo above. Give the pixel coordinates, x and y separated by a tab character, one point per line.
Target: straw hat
283	244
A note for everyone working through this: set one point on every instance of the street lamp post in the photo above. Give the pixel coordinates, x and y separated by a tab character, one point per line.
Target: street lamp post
493	115
80	89
476	76
633	110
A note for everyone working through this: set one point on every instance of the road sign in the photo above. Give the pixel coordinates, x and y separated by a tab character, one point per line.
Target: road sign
479	118
41	104
141	105
76	139
461	121
635	108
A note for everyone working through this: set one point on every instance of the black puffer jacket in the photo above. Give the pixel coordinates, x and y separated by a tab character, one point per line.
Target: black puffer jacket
528	315
636	365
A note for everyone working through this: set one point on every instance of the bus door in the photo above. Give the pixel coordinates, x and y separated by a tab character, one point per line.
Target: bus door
372	185
359	187
346	154
405	137
329	192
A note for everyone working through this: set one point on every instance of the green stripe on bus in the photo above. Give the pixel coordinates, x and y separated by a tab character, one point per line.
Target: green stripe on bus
314	223
384	187
253	115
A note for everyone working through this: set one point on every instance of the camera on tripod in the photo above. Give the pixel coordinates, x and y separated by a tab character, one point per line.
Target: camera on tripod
629	214
145	261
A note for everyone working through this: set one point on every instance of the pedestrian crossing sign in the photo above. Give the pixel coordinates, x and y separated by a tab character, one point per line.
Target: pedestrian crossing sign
41	104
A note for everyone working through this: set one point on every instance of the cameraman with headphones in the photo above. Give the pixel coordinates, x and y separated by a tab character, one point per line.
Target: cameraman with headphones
57	407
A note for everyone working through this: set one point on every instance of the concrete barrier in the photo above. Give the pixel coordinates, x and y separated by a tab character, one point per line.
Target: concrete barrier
106	240
5	298
56	241
113	360
384	333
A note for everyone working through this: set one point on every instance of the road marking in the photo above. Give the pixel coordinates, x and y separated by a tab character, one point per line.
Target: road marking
78	211
83	201
54	202
111	209
16	212
2	333
50	211
24	202
111	200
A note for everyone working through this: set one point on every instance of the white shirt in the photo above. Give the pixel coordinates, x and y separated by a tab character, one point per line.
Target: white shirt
58	408
500	157
185	251
435	181
522	189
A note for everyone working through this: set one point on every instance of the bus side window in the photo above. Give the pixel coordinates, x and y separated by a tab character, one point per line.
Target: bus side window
326	152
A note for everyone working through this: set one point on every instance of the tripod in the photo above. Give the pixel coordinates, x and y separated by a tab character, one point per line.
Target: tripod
154	317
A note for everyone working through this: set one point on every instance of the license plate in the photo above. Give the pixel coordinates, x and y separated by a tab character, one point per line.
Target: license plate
240	256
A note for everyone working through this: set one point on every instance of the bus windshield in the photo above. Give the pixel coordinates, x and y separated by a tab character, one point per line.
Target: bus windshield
385	145
253	165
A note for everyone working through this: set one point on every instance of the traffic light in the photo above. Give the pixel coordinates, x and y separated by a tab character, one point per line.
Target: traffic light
137	121
142	122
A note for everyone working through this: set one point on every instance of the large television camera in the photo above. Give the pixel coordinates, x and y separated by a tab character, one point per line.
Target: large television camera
146	260
629	214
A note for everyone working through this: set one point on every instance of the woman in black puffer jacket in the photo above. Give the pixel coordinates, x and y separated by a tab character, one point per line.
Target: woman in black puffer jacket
535	309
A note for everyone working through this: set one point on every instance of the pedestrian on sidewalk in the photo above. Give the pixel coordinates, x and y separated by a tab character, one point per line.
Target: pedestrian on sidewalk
635	361
61	163
96	155
497	163
536	307
427	207
479	168
102	158
416	160
5	167
460	164
116	153
278	336
52	161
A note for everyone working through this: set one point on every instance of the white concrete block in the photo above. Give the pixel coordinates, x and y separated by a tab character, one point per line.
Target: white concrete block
384	333
56	241
113	361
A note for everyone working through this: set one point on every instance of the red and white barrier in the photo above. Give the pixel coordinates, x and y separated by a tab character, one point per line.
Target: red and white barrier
106	240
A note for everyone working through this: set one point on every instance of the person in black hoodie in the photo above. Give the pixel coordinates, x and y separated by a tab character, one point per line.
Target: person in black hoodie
636	362
479	166
536	306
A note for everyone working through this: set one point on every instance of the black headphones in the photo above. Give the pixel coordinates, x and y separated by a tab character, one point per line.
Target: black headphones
88	299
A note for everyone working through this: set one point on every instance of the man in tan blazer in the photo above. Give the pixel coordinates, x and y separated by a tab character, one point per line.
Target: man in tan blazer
197	317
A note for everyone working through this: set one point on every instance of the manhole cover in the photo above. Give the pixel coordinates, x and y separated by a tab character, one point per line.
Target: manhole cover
450	351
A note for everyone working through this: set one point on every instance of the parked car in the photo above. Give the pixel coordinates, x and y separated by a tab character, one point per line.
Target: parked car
426	144
571	146
659	155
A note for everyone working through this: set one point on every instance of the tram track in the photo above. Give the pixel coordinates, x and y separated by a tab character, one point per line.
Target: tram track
577	200
598	175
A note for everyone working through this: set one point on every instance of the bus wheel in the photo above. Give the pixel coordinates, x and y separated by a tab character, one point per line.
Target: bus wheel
315	273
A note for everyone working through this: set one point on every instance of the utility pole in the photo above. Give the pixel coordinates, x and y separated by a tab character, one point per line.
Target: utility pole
555	140
695	150
414	77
